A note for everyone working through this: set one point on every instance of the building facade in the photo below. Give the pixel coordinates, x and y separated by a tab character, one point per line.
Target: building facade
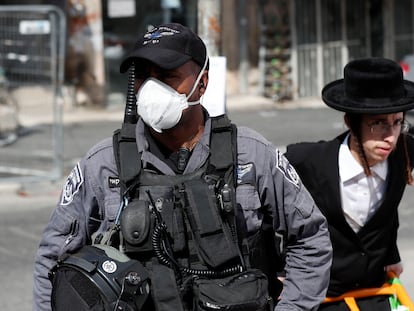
296	46
319	37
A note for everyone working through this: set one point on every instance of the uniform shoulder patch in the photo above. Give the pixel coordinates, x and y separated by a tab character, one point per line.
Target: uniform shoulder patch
287	169
72	185
246	174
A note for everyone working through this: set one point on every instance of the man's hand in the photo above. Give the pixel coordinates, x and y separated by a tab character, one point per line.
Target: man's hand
396	268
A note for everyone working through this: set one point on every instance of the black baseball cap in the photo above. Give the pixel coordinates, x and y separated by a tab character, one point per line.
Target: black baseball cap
168	46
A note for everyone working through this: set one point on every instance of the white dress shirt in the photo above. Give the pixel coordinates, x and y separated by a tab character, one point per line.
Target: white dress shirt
361	195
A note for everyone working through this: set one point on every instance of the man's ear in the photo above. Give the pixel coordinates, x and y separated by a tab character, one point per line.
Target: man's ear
203	83
346	120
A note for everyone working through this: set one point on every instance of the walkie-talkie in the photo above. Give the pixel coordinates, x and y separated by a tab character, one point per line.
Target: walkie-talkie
124	140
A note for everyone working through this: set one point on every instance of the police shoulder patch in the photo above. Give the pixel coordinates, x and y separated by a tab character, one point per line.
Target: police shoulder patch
246	174
287	169
72	185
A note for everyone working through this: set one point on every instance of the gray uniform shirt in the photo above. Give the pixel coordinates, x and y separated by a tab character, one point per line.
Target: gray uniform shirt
266	181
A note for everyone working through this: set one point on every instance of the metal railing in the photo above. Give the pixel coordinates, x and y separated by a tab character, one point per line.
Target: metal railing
32	54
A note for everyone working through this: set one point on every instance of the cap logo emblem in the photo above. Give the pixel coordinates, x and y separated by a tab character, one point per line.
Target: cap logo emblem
154	36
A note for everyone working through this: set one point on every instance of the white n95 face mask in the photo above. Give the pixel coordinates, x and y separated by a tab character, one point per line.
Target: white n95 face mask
160	106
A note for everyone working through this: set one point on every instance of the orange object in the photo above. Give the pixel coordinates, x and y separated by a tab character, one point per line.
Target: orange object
402	294
392	287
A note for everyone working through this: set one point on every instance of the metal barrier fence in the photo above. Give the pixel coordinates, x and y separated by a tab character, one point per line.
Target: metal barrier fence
32	53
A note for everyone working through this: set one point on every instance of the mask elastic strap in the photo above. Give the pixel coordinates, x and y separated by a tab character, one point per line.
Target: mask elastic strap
196	82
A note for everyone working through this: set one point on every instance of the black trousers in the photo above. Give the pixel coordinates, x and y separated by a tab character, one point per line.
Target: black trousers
375	303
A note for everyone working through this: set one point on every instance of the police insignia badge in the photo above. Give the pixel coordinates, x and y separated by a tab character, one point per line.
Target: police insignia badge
246	174
72	185
287	169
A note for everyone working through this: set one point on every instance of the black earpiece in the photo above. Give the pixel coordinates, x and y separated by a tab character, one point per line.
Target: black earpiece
202	84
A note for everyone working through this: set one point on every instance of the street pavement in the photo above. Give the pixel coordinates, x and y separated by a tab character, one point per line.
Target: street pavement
25	207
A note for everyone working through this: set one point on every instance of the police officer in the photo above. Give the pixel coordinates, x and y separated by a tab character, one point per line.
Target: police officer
171	77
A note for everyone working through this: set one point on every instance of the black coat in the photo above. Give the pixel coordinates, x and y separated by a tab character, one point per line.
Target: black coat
359	258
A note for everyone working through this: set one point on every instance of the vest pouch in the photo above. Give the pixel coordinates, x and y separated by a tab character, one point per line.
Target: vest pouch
135	225
244	291
212	237
178	230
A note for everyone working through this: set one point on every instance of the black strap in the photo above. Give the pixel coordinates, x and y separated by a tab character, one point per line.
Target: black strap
223	162
127	158
224	154
222	157
164	289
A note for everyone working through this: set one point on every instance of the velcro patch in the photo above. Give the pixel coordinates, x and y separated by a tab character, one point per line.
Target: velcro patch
114	182
246	174
287	169
72	185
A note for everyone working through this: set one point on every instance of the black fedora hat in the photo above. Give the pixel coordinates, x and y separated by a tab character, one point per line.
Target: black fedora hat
370	86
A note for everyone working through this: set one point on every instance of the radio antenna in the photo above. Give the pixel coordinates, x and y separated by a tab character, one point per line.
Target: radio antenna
131	115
